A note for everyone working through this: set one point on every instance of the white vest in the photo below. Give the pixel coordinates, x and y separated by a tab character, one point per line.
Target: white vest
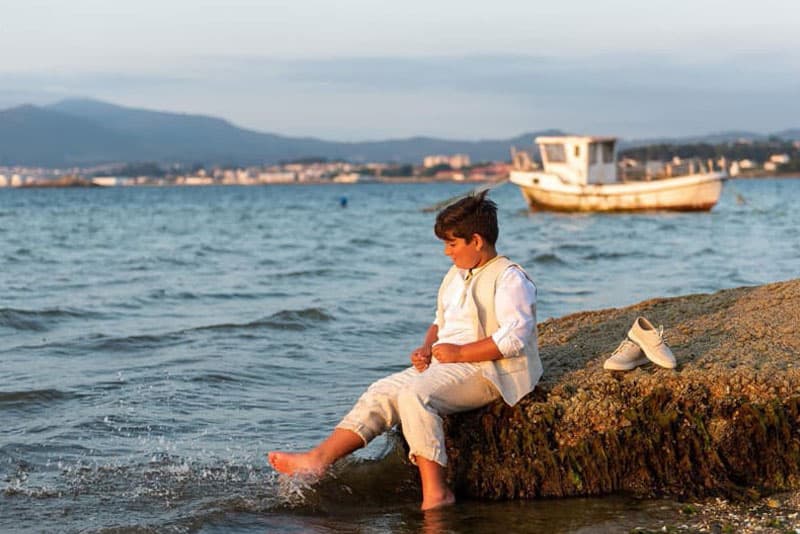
514	376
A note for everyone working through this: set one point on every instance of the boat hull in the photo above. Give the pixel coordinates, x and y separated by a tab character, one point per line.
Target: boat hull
699	192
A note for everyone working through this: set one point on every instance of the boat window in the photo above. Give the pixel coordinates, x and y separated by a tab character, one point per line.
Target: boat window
592	153
608	152
555	153
577	151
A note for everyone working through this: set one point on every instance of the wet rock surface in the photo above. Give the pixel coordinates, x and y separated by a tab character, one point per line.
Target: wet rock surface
724	423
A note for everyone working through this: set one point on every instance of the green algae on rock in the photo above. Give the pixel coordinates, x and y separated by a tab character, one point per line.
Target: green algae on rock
725	422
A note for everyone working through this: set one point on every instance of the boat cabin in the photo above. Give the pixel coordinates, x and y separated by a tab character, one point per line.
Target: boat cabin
580	160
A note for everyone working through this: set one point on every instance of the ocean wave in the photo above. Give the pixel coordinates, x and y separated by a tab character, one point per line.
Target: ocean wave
41	320
151	262
167	295
208	250
705	251
574	247
135	343
282	320
569	292
36	397
369	242
291	320
608	255
235	296
215	378
302	273
547	258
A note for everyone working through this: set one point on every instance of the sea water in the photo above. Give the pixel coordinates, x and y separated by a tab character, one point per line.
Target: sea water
157	342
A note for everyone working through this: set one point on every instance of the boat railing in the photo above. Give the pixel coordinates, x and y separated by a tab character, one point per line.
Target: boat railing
631	171
522	160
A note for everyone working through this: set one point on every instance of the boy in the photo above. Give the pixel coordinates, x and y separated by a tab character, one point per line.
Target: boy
482	346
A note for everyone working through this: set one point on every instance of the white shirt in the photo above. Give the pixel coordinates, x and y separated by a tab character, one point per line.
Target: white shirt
513	305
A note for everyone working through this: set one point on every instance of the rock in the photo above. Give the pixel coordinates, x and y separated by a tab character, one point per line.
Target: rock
725	422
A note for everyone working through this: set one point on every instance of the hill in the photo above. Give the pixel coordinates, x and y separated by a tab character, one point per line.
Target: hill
33	136
100	132
192	138
84	132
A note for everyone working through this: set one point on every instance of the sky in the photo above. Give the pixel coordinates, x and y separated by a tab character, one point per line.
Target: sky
354	70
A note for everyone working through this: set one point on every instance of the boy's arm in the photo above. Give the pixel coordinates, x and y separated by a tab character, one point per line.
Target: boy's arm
515	302
421	356
478	351
430	337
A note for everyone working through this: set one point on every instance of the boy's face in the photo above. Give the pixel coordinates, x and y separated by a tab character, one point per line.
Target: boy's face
464	255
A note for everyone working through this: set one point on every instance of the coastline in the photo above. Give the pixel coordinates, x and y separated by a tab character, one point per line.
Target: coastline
76	182
83	182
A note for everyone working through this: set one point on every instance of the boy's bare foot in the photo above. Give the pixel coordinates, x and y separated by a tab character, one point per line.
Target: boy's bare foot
297	463
438	501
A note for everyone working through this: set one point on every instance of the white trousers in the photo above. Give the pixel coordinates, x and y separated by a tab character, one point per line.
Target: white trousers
417	401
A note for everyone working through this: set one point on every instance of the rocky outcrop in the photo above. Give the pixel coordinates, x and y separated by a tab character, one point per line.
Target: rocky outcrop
725	422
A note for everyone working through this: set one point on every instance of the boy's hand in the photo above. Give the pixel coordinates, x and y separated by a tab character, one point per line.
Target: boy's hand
421	358
447	352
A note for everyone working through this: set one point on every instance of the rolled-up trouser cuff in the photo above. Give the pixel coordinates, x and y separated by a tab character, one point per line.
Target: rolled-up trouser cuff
434	454
360	430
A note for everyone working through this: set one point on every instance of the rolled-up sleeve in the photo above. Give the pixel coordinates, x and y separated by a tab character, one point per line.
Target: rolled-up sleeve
514	305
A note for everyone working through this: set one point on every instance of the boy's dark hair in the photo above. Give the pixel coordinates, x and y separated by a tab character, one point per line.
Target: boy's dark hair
474	214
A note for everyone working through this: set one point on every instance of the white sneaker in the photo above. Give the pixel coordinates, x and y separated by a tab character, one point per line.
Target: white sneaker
651	341
627	356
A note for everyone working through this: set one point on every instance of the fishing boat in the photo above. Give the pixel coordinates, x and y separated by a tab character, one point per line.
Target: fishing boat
581	173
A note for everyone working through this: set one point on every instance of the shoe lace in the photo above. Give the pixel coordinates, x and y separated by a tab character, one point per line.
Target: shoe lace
661	334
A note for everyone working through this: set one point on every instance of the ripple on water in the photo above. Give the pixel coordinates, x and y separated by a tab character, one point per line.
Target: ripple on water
283	320
34	399
608	255
302	273
42	320
546	259
104	344
162	294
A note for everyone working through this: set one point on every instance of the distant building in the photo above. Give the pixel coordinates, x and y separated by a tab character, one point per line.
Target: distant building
492	171
196	180
433	161
276	177
455	161
347	178
780	159
114	181
458	161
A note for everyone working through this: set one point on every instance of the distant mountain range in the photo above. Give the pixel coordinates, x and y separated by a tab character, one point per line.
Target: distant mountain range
84	132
